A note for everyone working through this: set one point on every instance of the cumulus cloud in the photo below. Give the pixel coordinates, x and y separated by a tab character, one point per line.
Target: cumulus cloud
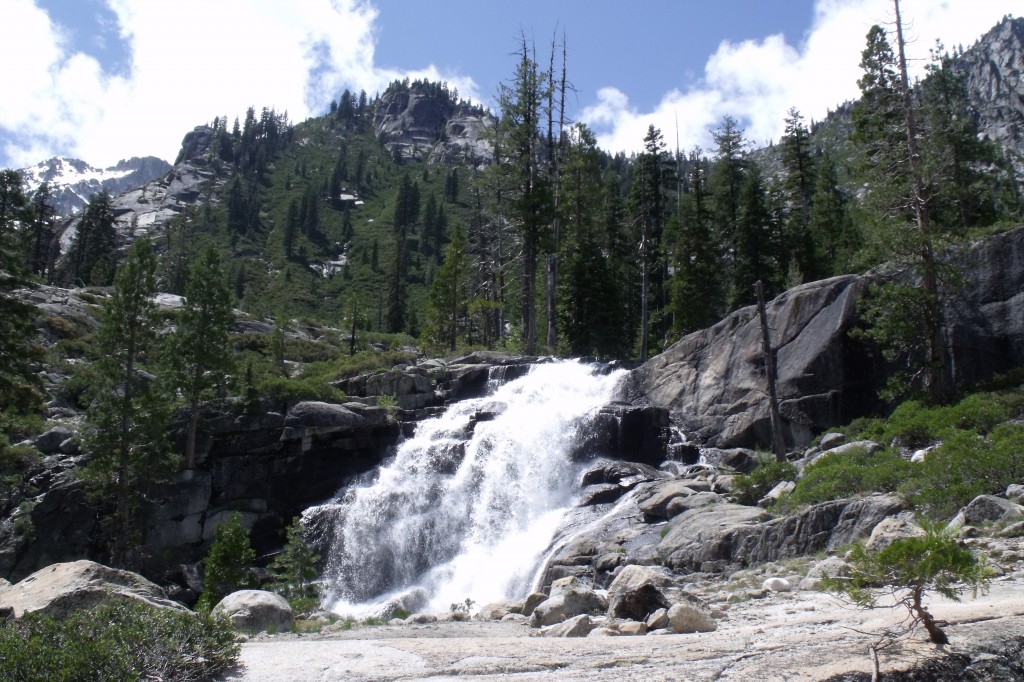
191	60
756	82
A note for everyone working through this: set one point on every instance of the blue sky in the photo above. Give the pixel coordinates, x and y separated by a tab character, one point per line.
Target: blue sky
107	79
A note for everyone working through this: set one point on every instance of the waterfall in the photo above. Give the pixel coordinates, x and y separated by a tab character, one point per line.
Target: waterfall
469	504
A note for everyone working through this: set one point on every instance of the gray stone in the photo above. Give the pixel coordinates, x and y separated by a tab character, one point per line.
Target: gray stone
831	440
421	619
256	611
59	589
1015	492
653	501
782	488
498	610
577	626
636	592
991	508
567	604
776	585
892	529
832	567
658	620
718	536
531	602
632	628
50	442
686	618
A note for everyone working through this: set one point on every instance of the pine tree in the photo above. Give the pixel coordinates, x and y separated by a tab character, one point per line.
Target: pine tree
128	415
834	235
758	245
647	207
696	285
199	352
227	563
799	183
294	570
92	255
447	310
518	150
19	383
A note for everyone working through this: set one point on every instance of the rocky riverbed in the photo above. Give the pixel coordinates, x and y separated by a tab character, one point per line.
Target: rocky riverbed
802	635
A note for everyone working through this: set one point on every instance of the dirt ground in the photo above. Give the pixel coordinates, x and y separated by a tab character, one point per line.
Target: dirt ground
783	636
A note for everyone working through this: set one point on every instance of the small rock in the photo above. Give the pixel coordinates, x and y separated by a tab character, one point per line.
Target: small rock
685	618
777	585
658	619
604	632
831	440
1015	492
579	626
890	530
632	628
421	619
775	493
532	601
514	618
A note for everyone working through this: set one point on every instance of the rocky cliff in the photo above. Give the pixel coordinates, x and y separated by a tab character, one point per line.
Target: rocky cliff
423	120
994	74
713	381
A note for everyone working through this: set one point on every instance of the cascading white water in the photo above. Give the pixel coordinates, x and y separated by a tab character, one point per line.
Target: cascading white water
467	515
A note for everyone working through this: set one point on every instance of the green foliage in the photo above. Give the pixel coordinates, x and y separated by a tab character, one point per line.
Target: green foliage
965	466
855	472
197	351
129	412
914	424
909	568
115	642
227	563
768	473
294	571
294	389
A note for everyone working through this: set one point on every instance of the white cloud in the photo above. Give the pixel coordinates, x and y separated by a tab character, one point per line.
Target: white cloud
191	60
756	82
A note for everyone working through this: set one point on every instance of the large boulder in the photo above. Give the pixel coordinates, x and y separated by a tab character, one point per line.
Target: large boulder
686	618
566	604
577	626
59	589
719	536
638	591
256	611
991	508
713	380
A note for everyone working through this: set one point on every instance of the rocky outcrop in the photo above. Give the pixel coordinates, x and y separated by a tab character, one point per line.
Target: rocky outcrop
713	382
992	70
59	589
718	537
426	121
256	611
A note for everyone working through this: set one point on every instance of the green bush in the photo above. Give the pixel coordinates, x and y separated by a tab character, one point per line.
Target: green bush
287	389
124	641
838	475
227	563
965	466
769	472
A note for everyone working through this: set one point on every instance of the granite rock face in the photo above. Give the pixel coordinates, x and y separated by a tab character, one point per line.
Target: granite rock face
59	589
713	382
